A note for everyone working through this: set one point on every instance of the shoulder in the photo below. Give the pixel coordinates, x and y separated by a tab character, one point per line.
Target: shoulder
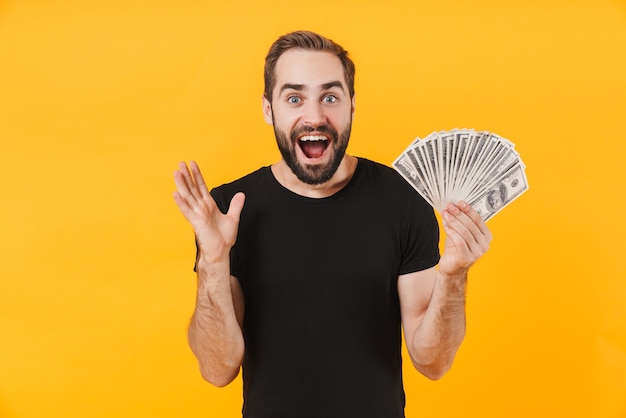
247	180
375	174
385	184
375	170
255	181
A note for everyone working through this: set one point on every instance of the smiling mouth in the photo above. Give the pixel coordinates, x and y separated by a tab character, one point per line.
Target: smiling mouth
313	146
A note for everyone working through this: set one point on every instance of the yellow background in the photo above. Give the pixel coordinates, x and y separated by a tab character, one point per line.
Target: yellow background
100	100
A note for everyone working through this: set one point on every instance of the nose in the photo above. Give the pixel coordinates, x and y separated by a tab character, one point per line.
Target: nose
314	114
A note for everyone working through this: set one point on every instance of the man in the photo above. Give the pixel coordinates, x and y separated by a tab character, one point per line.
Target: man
308	285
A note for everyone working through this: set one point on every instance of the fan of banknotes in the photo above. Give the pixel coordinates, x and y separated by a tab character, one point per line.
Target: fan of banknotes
478	167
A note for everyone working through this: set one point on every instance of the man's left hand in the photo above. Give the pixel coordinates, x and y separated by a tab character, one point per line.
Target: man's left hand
468	238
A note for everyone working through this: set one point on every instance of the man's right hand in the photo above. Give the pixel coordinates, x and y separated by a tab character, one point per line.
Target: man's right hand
216	232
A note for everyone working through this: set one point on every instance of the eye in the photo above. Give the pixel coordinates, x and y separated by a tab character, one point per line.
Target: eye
329	98
293	100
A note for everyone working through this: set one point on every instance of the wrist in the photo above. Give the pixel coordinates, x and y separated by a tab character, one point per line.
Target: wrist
212	266
455	282
212	271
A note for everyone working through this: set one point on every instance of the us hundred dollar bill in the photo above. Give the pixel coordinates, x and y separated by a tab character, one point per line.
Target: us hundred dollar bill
502	192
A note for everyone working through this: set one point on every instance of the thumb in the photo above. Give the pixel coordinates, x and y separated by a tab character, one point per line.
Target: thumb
236	205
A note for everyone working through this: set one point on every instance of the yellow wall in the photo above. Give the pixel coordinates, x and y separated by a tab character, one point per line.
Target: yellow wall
100	100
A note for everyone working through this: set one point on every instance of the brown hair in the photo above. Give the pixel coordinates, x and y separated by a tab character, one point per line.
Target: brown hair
308	41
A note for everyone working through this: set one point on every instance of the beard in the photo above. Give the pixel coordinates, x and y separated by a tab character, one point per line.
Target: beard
313	174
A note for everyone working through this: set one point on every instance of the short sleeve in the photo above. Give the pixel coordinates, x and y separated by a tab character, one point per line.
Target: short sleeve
421	237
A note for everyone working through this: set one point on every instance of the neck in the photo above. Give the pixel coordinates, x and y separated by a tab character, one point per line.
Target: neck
288	179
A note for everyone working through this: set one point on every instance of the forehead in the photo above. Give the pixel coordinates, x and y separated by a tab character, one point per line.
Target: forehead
311	69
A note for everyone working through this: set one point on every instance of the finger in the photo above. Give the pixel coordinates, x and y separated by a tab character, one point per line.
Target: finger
474	222
455	237
198	178
182	185
476	218
186	202
482	233
469	227
462	235
190	181
181	202
184	177
462	223
236	206
460	252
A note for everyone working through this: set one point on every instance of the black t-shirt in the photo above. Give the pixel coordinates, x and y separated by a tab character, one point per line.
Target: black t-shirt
322	319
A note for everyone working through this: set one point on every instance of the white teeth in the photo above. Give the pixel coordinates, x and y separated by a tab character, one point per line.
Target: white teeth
313	138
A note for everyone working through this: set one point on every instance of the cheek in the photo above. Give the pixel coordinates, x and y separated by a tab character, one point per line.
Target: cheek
342	117
285	123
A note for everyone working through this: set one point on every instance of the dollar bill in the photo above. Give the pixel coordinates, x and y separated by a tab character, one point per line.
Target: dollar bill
479	167
501	192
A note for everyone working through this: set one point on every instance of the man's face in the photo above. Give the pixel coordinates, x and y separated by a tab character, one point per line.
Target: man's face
311	111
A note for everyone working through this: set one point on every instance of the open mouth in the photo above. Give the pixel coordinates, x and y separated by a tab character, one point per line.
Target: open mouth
313	146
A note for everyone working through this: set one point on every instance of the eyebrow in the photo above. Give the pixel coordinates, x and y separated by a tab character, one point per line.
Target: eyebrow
332	84
300	87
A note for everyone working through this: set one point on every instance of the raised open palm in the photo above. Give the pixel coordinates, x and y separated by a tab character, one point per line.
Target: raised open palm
215	232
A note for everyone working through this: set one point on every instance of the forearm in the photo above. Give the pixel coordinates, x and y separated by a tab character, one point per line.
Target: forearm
214	334
435	342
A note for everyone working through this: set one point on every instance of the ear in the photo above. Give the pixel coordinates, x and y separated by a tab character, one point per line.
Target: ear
353	104
267	111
